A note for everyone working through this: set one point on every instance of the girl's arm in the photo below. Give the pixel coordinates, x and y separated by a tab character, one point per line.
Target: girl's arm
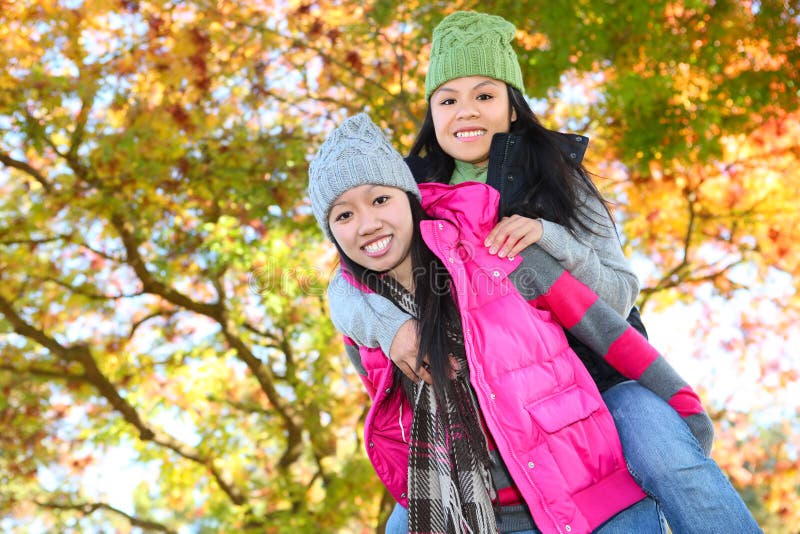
595	257
369	319
373	321
546	284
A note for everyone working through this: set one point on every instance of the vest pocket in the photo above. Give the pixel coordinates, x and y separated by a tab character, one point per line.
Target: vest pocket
563	409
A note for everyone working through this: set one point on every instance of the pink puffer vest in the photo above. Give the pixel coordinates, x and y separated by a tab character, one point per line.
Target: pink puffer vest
542	408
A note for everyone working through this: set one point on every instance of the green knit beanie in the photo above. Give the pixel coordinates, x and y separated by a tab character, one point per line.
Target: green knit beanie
467	43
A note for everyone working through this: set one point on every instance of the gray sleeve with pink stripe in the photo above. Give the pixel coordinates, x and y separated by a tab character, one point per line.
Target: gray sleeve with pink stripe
594	257
599	327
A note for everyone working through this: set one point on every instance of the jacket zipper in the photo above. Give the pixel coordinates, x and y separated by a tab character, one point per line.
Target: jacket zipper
503	163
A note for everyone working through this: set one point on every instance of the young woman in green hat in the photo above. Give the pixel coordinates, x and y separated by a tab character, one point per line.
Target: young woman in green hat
479	127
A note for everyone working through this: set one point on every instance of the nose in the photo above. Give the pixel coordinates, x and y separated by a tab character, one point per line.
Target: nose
467	110
369	225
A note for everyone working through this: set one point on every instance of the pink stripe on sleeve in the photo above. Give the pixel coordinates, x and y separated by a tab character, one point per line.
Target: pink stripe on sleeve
630	354
686	402
568	298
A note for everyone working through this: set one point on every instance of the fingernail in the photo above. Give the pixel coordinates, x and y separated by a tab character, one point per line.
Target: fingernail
502	254
487	243
493	250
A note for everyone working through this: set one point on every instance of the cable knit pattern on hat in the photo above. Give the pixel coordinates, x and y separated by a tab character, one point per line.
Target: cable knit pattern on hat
356	153
467	43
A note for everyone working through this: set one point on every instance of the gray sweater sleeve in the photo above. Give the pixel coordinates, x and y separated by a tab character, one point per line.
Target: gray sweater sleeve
367	318
596	258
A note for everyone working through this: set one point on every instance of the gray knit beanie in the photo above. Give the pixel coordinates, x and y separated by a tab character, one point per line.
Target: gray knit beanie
356	153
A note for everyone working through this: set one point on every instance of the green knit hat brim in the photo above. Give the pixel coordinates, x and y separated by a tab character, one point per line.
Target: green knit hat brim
467	43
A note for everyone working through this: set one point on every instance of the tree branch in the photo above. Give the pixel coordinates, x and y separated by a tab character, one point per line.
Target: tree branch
89	508
100	253
246	407
153	315
674	280
293	42
86	293
216	311
33	241
80	125
94	376
44	373
22	328
263	333
285	411
151	284
8	161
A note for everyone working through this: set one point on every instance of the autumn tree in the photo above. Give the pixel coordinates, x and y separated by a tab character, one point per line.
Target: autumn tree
162	281
161	284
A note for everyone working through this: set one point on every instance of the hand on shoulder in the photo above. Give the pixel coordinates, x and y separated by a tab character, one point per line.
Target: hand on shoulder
512	235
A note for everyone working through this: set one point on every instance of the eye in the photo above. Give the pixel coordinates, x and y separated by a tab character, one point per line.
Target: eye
485	96
343	216
381	200
447	102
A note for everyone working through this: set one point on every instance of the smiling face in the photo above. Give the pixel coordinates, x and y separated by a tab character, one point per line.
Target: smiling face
372	224
467	112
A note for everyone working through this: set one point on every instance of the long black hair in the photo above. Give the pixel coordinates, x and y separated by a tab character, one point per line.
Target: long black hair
557	186
436	310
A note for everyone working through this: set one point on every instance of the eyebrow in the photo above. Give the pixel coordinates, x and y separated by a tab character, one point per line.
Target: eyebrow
476	86
343	202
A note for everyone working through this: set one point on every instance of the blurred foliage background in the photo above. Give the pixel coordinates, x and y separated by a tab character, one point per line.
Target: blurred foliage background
167	362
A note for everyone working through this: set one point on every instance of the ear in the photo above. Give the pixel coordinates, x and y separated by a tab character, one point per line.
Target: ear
513	115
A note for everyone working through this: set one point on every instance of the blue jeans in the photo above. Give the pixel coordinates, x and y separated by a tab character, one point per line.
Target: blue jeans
641	518
398	521
665	459
667	462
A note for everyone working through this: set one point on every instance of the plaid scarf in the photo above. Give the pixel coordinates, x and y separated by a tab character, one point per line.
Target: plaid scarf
450	487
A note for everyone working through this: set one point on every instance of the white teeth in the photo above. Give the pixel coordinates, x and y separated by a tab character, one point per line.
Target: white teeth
377	246
472	133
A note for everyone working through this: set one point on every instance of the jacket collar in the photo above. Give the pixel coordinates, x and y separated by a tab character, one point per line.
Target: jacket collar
573	146
470	206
